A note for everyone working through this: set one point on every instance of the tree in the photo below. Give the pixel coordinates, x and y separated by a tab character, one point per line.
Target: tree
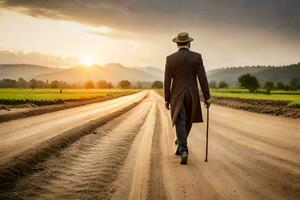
212	84
249	82
109	85
41	84
157	84
33	83
269	85
54	84
280	86
294	83
22	83
89	85
8	83
223	84
102	84
124	84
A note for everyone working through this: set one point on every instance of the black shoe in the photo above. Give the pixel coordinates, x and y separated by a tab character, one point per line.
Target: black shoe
177	153
184	158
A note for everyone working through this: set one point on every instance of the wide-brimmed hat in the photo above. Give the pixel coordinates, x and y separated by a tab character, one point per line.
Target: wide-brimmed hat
183	38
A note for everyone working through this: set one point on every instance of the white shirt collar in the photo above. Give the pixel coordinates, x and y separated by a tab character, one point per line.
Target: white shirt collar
184	47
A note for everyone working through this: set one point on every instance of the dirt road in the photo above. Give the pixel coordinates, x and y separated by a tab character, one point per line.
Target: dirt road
251	156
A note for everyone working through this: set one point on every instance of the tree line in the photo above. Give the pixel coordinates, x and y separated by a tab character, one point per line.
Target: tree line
251	83
103	84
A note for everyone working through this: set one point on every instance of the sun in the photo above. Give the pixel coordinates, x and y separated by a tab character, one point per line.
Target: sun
87	61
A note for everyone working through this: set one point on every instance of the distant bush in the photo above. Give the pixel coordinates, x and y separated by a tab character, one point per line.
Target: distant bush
249	82
8	83
89	85
33	83
124	84
295	84
30	101
212	84
22	83
157	85
269	85
223	84
104	84
54	84
280	86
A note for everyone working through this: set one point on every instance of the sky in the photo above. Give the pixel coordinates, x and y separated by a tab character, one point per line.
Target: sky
140	32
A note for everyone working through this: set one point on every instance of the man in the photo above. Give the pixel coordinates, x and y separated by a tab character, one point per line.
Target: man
181	91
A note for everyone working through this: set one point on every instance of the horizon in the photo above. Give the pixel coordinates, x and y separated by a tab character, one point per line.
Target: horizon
139	67
143	100
140	33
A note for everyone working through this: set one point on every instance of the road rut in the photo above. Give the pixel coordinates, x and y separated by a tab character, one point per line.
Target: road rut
251	156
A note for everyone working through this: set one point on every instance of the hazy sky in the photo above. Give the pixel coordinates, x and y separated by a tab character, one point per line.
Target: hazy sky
139	32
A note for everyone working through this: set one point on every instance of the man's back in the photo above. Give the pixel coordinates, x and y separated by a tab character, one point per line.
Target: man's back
184	66
181	90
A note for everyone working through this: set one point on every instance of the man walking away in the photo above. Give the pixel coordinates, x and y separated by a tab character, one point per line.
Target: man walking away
181	91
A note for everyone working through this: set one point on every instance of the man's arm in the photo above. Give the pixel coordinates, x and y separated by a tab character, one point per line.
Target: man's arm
167	84
203	81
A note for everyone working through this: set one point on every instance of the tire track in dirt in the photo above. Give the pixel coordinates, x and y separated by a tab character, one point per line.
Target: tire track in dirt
132	157
134	181
239	171
88	167
156	184
237	168
182	182
19	113
37	138
287	154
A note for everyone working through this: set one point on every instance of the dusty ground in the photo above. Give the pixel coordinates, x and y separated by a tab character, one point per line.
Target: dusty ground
252	156
12	112
278	108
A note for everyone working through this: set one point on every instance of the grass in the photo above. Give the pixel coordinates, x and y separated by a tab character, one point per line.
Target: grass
160	92
52	96
276	95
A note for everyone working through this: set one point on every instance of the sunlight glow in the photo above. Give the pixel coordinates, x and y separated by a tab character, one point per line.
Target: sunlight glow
87	61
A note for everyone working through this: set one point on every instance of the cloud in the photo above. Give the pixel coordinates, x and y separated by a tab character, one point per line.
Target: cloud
164	15
9	57
226	32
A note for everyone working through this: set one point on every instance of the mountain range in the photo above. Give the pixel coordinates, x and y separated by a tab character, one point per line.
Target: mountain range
15	71
282	74
114	72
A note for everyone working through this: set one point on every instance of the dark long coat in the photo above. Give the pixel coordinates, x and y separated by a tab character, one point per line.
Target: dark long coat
181	72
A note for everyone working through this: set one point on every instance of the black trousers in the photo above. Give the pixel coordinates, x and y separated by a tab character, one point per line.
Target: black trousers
183	123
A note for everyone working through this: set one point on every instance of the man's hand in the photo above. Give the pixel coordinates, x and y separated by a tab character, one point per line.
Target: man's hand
167	105
207	103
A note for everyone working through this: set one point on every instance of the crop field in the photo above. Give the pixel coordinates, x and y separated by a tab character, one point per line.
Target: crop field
51	96
277	95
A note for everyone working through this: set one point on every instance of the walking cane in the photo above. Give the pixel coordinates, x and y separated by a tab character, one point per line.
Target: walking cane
207	123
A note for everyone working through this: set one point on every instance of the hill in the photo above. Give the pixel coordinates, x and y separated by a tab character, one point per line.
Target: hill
15	71
263	73
157	73
111	72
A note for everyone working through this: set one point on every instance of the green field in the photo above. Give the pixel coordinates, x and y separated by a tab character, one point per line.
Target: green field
160	92
276	95
50	96
292	96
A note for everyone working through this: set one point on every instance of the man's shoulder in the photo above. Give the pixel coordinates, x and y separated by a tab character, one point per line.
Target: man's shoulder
195	54
172	55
